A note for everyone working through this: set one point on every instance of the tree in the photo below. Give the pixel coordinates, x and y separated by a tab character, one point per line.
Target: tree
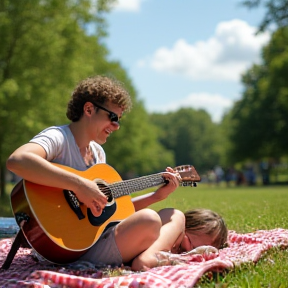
259	123
192	136
276	13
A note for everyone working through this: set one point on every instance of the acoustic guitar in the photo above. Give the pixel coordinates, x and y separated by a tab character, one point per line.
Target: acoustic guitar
60	228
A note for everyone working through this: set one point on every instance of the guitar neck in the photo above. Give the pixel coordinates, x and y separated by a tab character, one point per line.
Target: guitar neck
127	187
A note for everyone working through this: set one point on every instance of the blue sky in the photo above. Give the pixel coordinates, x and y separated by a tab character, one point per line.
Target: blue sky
185	53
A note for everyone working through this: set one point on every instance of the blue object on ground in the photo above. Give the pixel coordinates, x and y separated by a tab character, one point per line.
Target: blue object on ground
8	227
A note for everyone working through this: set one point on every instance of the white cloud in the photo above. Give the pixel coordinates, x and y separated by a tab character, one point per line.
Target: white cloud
214	104
229	52
127	5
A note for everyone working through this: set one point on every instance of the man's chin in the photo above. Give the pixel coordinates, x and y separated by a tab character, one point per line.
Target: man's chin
101	141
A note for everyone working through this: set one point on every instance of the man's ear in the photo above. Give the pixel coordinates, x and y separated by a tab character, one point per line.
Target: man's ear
88	106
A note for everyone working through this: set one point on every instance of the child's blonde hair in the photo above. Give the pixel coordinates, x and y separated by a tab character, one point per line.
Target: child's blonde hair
205	221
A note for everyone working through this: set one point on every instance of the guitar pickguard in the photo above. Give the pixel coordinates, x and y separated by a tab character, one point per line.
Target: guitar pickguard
74	203
108	211
106	214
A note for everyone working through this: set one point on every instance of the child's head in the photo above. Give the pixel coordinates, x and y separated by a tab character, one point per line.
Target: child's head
207	222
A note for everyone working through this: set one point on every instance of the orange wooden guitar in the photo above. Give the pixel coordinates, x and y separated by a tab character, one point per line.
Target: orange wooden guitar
60	228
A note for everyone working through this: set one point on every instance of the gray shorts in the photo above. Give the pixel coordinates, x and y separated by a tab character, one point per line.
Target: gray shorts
105	250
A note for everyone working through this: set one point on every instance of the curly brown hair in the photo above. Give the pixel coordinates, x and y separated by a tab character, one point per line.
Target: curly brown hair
100	90
205	221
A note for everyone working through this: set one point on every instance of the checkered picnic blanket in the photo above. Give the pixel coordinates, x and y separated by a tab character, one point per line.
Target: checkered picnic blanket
26	272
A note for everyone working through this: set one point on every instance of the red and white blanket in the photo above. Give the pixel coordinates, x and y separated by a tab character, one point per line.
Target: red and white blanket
26	272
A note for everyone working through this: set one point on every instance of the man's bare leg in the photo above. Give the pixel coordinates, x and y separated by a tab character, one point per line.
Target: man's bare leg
138	232
173	228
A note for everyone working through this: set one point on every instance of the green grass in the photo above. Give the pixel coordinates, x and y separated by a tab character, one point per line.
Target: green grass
245	209
5	208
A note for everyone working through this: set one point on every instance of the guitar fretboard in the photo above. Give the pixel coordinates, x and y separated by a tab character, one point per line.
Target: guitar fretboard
127	187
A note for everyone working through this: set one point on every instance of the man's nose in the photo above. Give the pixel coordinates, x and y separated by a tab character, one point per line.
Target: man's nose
116	125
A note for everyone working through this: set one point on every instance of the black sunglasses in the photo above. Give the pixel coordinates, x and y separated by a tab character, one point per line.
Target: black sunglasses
112	116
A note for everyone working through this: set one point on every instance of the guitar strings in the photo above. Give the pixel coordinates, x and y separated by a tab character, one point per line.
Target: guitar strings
129	186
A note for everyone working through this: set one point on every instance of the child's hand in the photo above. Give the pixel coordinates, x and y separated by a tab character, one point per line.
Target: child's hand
202	250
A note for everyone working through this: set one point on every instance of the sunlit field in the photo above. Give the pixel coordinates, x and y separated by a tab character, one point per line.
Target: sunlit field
245	209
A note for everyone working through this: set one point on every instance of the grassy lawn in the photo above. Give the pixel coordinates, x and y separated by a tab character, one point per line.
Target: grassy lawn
245	209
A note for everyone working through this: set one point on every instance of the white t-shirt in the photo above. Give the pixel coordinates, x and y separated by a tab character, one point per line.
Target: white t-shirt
61	148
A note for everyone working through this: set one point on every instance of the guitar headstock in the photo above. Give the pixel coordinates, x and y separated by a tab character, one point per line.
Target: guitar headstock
188	174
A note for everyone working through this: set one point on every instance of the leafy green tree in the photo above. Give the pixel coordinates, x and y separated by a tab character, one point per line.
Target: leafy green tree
276	12
192	136
259	122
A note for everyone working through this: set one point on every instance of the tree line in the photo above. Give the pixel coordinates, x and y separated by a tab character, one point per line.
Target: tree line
45	51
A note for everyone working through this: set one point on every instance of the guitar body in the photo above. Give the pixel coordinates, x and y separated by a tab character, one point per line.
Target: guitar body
54	230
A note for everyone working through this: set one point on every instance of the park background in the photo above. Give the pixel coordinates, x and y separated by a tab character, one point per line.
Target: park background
48	46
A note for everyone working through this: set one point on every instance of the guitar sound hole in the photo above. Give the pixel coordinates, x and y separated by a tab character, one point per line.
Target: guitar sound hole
105	190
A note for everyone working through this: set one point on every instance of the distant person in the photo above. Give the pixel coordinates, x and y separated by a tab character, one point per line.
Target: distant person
250	175
265	172
219	174
229	175
212	177
240	178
